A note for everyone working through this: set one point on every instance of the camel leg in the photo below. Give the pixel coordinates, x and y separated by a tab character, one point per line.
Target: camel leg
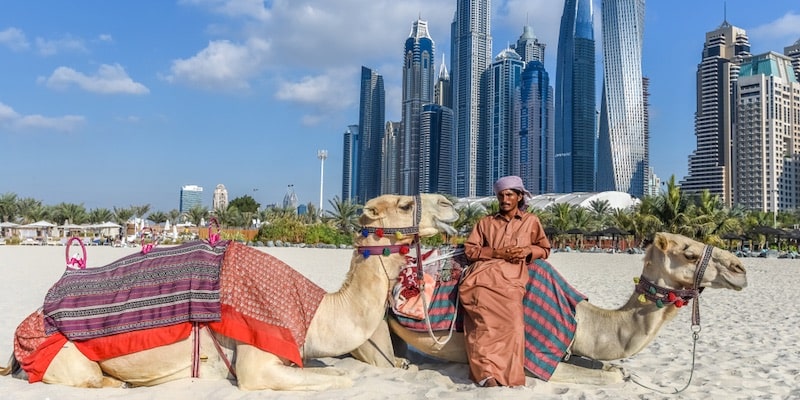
259	370
568	373
380	349
70	367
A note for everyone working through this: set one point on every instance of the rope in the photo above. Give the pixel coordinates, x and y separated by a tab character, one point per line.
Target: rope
695	336
440	343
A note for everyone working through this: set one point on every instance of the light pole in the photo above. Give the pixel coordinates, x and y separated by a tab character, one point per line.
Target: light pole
322	155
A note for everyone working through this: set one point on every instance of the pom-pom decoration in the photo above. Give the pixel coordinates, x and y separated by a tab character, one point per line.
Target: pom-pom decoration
642	299
636	280
679	303
366	253
404	250
659	303
387	252
398	235
365	232
379	232
671	297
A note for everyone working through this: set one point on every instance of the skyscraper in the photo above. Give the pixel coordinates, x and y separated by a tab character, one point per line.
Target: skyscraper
793	52
350	141
575	105
371	118
418	73
504	81
533	150
436	136
443	91
471	56
622	143
766	158
220	201
528	46
710	164
191	196
390	165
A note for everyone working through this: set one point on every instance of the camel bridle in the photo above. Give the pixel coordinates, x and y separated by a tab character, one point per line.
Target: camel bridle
657	293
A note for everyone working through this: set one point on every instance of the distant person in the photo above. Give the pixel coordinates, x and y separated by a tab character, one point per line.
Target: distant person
500	246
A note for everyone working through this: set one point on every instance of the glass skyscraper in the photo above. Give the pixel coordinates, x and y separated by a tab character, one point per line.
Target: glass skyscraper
575	105
504	83
418	74
471	57
534	132
371	119
622	157
350	141
191	196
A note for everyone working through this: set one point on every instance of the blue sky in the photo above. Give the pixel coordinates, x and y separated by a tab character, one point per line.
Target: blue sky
118	103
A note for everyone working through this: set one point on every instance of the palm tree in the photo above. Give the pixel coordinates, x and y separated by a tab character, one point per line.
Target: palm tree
159	217
32	210
99	215
8	207
600	209
344	214
74	213
122	216
174	215
468	216
197	214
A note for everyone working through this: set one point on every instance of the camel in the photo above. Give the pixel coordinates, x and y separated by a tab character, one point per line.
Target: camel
670	262
343	321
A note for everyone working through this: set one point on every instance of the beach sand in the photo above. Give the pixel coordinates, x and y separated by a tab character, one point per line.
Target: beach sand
747	347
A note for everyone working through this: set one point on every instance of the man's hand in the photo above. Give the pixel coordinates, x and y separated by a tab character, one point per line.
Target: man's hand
512	254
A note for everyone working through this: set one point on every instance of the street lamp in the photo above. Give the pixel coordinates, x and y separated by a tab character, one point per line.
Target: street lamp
322	155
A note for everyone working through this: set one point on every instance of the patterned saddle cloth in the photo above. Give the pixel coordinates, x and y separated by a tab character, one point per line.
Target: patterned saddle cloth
549	305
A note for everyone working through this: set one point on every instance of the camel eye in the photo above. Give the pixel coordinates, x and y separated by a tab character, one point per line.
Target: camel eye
407	206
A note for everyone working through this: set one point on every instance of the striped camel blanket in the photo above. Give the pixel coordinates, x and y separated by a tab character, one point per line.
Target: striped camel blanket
549	305
166	286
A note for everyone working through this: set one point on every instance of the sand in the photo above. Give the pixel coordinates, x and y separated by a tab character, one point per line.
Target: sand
746	348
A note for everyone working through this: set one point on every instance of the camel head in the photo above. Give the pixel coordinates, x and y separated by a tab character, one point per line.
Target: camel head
396	211
672	261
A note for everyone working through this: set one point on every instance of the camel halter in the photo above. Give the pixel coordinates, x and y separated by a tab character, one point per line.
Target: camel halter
658	294
399	234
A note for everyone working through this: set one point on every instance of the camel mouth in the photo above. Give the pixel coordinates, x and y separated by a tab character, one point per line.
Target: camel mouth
446	228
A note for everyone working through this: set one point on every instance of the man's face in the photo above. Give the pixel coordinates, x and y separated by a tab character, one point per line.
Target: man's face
508	200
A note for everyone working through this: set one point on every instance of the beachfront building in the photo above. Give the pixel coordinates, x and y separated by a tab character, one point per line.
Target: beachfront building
504	83
532	148
220	200
418	87
710	164
371	120
622	159
793	52
349	163
191	196
471	47
575	104
766	171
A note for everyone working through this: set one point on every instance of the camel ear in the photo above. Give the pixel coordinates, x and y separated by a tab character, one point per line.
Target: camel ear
372	211
661	241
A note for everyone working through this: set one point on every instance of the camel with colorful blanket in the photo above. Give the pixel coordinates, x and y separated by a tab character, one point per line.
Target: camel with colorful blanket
676	270
219	324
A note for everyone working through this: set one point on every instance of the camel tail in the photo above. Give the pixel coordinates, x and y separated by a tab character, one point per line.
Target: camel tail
13	366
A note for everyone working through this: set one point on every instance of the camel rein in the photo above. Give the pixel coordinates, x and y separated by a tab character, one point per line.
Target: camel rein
657	294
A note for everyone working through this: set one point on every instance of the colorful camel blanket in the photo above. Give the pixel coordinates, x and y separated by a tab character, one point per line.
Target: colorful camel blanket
166	286
549	305
262	301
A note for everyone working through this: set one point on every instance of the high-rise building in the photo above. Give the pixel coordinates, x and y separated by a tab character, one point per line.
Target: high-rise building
443	91
471	56
290	200
793	52
622	145
371	119
533	150
711	164
418	74
504	81
436	137
220	201
766	162
191	196
528	46
350	163
575	105
390	159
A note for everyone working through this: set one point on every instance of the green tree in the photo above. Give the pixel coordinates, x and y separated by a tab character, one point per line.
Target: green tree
159	217
74	213
32	210
100	215
197	214
245	204
343	215
468	216
9	210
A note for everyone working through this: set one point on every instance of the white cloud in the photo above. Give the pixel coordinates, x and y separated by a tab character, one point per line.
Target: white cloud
786	27
222	65
65	45
105	37
13	120
234	8
109	79
14	39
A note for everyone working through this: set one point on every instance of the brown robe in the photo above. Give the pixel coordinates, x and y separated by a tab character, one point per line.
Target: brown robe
492	293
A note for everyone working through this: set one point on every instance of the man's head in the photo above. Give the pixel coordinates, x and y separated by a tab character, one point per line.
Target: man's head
510	192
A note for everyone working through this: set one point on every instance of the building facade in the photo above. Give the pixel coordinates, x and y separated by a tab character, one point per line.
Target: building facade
534	131
711	164
350	140
504	83
390	164
528	46
191	196
418	88
766	172
371	119
471	57
793	52
622	151
575	105
220	200
436	137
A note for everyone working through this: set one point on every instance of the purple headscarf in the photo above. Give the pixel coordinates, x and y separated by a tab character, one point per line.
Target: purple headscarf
515	183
